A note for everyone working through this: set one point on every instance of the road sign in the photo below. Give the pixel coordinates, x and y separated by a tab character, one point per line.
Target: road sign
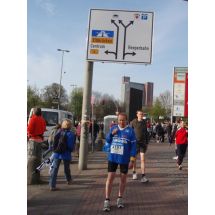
120	36
180	91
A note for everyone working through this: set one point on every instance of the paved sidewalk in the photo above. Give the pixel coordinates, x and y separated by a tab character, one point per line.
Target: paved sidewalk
165	194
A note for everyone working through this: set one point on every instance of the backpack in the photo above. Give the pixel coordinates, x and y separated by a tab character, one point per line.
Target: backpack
60	140
51	137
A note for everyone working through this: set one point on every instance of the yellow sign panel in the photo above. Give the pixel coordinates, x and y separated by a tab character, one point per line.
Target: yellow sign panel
102	40
94	51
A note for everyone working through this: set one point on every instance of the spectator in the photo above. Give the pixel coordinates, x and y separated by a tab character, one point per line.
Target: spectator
154	130
65	155
175	127
169	132
94	132
159	132
113	123
36	126
51	139
78	135
181	139
163	132
101	126
149	129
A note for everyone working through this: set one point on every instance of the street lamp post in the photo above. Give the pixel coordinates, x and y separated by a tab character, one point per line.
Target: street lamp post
117	108
62	50
73	87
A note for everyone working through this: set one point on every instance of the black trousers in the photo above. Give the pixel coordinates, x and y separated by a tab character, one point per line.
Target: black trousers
181	151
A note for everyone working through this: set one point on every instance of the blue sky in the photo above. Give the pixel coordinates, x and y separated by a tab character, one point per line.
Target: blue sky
53	24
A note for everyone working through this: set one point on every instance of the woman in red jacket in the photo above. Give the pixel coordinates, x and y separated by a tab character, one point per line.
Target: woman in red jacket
181	139
36	126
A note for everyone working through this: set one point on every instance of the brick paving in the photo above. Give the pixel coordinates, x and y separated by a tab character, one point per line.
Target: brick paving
165	194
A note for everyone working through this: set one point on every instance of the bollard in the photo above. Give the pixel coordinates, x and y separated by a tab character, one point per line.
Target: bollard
34	160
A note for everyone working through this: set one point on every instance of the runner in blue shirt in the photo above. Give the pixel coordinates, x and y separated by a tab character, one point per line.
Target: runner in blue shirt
121	142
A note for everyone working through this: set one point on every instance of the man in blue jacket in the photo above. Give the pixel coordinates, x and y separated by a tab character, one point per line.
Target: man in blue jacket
121	142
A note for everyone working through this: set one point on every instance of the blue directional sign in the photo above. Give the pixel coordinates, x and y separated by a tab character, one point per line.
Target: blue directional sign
102	33
102	36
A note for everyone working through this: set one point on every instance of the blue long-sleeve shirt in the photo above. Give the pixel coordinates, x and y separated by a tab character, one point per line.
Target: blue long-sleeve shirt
122	145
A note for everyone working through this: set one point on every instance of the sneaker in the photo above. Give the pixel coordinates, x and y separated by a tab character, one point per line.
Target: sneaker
144	179
175	158
119	203
69	182
53	188
180	167
106	205
134	177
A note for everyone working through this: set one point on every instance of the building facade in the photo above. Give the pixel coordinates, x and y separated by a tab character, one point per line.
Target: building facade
149	86
135	96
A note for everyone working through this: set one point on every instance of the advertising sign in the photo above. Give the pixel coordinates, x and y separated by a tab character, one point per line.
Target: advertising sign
180	92
120	36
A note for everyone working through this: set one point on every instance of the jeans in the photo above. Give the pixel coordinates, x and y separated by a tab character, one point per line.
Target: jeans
54	171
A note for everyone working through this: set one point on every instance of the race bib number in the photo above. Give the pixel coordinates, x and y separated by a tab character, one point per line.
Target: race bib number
117	149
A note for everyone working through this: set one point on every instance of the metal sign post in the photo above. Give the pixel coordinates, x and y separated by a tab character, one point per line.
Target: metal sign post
92	130
83	151
114	36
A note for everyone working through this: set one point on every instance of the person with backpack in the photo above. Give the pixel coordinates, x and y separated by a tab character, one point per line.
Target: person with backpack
64	142
51	139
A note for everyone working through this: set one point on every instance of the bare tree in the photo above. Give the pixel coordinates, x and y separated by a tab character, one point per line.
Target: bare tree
157	109
75	104
105	104
166	101
33	98
51	93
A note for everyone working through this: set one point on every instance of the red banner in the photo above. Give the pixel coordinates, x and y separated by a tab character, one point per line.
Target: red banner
186	97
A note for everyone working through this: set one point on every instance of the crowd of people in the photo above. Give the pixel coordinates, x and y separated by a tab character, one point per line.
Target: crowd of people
125	142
